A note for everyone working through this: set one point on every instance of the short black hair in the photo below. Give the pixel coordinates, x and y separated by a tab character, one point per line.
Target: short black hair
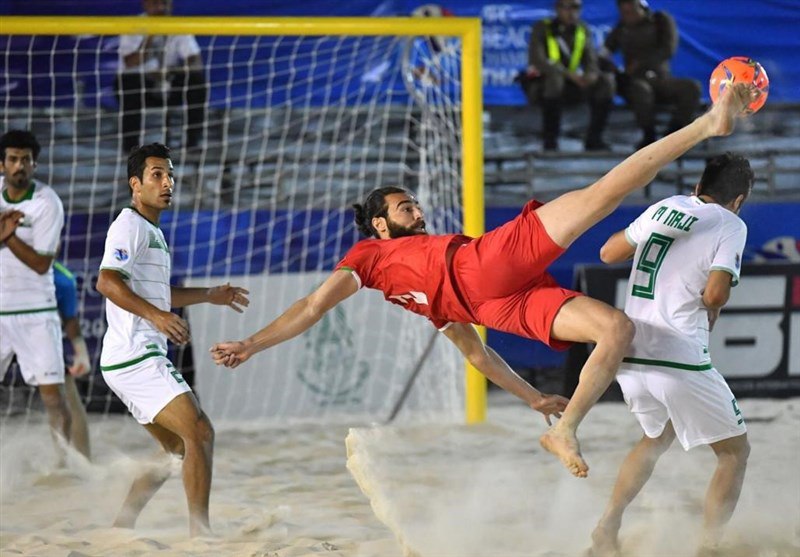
19	139
137	159
374	206
726	177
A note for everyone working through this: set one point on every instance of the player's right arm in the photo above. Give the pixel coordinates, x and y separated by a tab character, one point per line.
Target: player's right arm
618	248
300	317
111	285
490	364
9	221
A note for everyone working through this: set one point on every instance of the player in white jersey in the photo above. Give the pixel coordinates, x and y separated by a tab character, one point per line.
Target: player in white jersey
135	279
687	253
32	218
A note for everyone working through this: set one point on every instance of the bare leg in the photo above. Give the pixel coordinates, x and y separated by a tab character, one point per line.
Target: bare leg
183	417
636	469
57	413
587	320
148	482
79	430
725	487
573	213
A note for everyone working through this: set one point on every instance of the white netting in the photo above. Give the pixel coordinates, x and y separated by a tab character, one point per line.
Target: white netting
295	129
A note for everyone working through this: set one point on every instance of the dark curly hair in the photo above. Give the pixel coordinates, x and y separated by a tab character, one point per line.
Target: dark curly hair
374	206
19	139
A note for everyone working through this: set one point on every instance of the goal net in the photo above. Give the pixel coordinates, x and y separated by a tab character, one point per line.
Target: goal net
300	119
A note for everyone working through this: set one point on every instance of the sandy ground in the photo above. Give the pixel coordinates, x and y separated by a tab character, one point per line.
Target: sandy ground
443	490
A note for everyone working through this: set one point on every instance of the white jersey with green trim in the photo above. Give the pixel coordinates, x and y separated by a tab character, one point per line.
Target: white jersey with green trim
137	250
679	241
23	290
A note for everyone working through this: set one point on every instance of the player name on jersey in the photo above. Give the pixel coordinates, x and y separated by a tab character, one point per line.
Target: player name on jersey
674	218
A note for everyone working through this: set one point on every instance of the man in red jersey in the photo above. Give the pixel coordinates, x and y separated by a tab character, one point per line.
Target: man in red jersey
498	280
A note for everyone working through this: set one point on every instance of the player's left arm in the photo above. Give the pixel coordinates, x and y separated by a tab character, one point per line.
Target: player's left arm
725	267
225	295
490	364
46	236
617	248
39	262
716	294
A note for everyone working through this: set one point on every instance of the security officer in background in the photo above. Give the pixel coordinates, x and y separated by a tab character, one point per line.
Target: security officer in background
648	40
563	70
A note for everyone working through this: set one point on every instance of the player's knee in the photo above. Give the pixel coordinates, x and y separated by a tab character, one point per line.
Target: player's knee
734	451
53	397
741	451
621	328
175	447
203	431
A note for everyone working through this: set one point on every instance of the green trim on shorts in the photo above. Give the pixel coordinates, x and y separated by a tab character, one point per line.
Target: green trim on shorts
667	363
24	311
132	362
151	346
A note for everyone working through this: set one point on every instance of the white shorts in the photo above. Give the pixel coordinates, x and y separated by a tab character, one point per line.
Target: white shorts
36	340
700	404
147	387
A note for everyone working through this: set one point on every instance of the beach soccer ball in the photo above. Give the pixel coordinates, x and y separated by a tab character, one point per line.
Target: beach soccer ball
739	69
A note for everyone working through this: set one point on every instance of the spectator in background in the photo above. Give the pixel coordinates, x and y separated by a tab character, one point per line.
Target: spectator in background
67	301
158	70
648	40
563	70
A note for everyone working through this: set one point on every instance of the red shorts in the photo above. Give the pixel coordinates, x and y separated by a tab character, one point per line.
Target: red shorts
502	277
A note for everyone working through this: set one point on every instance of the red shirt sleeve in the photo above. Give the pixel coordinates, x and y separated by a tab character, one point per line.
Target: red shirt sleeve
360	261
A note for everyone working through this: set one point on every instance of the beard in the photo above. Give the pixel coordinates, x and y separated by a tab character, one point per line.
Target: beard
20	180
400	231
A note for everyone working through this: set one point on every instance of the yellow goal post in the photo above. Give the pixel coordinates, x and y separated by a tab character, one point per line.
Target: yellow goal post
467	30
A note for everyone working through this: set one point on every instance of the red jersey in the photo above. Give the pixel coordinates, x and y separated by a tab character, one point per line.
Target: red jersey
499	280
411	272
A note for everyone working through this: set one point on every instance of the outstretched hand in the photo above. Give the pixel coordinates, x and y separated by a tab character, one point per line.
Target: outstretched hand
230	354
732	103
175	327
550	405
227	295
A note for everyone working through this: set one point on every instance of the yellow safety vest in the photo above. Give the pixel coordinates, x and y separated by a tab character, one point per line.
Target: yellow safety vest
554	53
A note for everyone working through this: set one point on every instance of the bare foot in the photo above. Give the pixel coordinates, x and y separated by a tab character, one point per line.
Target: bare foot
731	105
565	447
199	528
604	542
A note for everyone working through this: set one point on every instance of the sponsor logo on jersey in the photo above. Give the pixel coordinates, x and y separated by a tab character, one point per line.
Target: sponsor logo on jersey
121	254
418	298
